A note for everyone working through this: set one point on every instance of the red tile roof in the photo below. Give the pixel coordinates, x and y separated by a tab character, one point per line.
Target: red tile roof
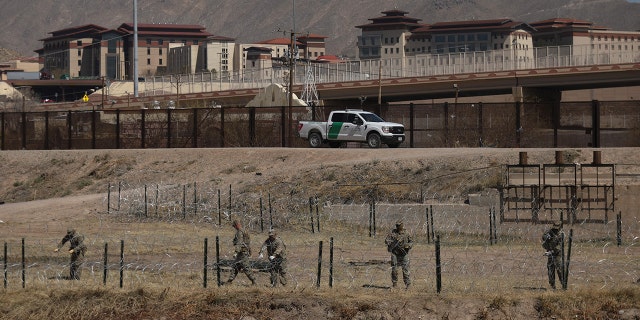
392	19
460	26
175	30
75	32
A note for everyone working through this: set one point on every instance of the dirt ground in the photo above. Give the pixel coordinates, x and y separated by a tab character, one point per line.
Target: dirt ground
44	192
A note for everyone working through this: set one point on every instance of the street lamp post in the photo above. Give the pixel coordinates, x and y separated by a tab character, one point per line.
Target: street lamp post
455	103
514	45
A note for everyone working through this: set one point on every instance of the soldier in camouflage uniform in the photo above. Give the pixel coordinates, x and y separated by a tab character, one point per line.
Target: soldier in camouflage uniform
276	249
551	239
399	243
77	249
241	243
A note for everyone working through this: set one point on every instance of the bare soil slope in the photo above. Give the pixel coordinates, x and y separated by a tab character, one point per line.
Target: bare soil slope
69	187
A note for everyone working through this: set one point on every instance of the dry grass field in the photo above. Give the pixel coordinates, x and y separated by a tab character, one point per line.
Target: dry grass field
163	204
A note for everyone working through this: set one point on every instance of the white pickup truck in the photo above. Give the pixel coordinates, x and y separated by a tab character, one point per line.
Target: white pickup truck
352	126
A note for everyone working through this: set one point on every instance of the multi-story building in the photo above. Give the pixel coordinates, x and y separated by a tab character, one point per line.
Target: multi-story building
94	51
312	45
214	56
395	35
565	31
385	37
470	36
69	52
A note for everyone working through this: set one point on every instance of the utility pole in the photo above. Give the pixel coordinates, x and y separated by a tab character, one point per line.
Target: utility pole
135	48
291	62
103	88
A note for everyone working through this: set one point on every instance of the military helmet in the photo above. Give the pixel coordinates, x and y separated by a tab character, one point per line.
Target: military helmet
71	231
557	224
399	224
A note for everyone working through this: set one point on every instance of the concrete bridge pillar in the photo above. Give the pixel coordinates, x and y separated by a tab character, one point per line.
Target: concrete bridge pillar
525	94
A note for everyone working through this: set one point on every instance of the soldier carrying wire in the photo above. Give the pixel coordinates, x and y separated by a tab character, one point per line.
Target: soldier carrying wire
399	243
241	244
551	239
277	251
77	249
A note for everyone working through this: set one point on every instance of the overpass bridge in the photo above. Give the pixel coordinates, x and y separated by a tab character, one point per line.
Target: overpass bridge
540	74
544	84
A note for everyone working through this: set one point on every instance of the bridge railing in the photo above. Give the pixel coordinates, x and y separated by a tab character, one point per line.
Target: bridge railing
418	65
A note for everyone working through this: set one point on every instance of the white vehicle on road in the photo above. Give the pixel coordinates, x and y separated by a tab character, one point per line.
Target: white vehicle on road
352	126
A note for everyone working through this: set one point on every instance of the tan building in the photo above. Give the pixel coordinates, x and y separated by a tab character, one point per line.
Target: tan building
385	37
395	35
214	56
94	51
30	65
258	63
69	52
566	31
312	45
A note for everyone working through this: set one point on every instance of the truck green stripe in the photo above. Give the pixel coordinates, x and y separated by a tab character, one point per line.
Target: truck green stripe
334	130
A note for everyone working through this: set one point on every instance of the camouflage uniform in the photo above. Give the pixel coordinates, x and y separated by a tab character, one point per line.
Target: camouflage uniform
241	243
551	239
77	248
276	249
398	244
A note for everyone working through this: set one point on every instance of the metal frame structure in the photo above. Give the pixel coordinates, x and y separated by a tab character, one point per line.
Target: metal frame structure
543	194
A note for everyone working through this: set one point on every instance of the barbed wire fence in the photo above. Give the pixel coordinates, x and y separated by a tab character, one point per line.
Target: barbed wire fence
179	235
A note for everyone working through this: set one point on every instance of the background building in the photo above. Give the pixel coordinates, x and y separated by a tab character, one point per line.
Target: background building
94	51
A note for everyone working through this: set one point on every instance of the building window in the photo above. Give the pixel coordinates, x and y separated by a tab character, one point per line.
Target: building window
386	40
397	50
148	61
439	39
111	46
159	50
148	51
79	63
160	41
451	38
195	42
79	52
148	41
160	62
79	43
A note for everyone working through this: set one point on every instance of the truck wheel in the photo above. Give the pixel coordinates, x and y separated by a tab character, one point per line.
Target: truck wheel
315	140
373	140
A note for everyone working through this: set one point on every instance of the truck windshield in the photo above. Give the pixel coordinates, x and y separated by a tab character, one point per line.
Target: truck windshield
371	117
